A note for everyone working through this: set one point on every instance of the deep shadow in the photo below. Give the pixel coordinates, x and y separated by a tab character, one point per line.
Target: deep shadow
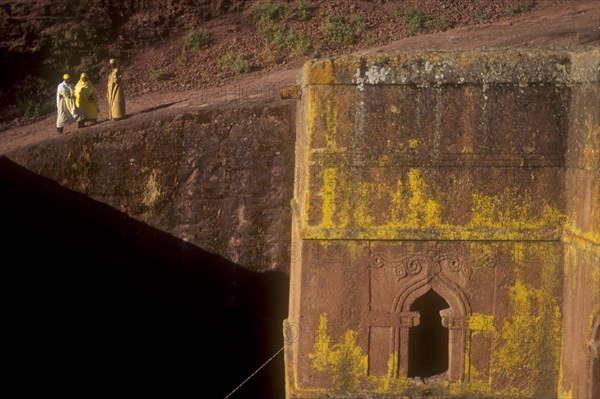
95	302
428	342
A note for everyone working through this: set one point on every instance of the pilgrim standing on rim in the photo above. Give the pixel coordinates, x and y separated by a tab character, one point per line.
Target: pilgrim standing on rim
86	100
115	94
65	104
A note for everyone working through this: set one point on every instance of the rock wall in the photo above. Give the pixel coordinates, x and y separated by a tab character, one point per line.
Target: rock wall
472	175
581	320
449	172
219	178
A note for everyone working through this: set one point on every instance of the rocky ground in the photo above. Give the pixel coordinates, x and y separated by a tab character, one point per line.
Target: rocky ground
237	33
43	39
247	56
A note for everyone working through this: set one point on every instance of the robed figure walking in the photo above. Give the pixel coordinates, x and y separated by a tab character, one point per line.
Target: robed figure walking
115	94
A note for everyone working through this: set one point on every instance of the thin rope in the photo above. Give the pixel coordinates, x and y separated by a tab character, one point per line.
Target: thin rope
257	370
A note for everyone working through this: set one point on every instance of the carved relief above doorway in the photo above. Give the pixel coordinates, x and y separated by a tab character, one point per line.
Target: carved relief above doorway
418	291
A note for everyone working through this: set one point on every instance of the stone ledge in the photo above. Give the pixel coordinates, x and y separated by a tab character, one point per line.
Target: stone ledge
436	68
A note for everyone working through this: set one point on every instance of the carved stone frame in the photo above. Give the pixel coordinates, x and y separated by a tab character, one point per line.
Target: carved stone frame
455	320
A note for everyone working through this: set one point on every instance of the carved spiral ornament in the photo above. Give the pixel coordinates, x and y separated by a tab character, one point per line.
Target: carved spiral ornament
419	263
450	263
414	266
377	261
487	260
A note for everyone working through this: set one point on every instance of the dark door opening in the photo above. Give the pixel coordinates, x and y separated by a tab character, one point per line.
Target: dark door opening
428	342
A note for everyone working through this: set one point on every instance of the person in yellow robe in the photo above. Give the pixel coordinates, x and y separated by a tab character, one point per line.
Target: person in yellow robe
86	100
115	94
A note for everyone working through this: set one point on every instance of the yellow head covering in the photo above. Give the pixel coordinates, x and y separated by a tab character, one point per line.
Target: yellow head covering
66	76
83	81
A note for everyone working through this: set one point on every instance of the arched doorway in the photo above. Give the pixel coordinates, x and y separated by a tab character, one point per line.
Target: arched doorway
454	315
428	341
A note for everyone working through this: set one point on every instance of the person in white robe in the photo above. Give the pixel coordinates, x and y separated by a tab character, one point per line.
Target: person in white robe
67	113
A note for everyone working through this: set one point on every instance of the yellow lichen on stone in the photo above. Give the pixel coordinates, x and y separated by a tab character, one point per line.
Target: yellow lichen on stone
415	203
312	108
410	208
593	271
318	73
519	335
331	122
366	192
422	210
344	360
390	383
563	393
529	340
481	322
591	150
588	238
333	216
512	210
593	314
396	202
152	190
349	364
290	91
321	347
471	389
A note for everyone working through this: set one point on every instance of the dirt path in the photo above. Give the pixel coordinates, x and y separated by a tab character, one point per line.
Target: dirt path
561	26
